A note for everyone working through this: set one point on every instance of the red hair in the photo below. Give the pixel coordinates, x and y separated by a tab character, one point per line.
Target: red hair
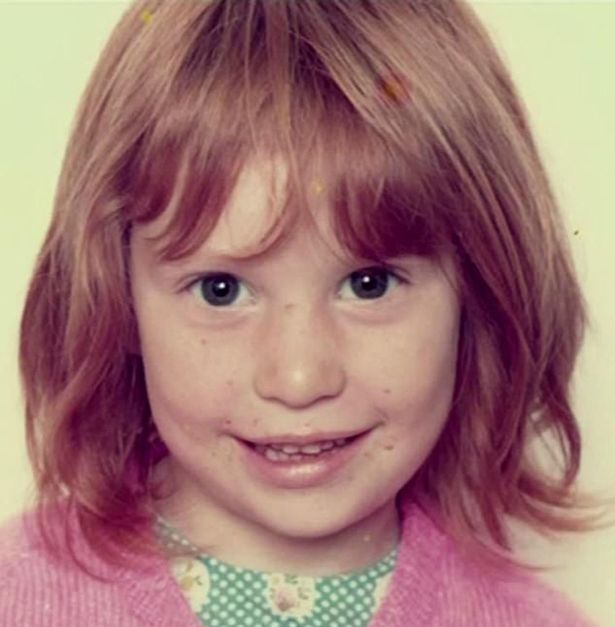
406	115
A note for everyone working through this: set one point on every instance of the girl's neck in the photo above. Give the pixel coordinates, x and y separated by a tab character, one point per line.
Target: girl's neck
245	544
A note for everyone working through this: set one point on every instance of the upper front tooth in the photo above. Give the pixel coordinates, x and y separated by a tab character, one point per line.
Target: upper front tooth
308	448
311	448
289	448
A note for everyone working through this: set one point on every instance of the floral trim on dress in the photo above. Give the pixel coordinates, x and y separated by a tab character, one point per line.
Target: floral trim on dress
223	595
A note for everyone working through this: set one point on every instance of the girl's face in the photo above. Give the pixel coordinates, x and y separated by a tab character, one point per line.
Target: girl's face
290	345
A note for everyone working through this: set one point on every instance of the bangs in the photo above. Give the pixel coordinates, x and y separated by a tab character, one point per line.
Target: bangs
382	182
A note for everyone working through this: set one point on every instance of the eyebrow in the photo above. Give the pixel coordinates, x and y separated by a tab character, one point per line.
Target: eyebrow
241	260
246	258
211	255
215	257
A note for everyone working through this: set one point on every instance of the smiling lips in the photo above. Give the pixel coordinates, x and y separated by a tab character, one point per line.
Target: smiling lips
300	470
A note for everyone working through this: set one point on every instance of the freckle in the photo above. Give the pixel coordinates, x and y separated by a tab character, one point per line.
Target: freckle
227	422
387	391
389	447
229	382
289	306
203	342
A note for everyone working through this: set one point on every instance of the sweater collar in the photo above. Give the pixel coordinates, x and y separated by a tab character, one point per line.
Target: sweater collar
156	599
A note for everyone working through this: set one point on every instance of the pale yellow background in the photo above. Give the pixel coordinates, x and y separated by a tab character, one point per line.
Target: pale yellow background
562	56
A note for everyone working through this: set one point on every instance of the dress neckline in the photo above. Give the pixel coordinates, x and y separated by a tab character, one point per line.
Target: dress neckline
176	545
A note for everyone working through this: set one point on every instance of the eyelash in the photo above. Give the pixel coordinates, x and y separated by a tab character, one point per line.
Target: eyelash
211	275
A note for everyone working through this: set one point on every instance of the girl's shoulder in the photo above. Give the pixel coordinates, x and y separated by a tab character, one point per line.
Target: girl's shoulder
37	589
510	599
34	587
27	575
40	589
451	591
16	542
21	537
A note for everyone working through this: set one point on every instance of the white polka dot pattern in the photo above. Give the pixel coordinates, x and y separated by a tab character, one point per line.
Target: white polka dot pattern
223	595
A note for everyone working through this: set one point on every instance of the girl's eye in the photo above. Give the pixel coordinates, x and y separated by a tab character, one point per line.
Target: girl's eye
221	289
373	283
218	290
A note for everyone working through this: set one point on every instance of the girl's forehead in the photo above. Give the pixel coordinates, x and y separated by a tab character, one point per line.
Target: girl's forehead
247	206
255	205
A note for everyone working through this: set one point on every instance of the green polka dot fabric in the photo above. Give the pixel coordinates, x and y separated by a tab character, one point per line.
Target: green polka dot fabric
223	595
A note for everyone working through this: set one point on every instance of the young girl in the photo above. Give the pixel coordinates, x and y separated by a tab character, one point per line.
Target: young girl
304	309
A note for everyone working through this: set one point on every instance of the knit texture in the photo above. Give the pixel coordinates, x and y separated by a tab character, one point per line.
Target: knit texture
432	586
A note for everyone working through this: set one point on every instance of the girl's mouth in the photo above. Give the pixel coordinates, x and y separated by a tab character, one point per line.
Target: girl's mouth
293	466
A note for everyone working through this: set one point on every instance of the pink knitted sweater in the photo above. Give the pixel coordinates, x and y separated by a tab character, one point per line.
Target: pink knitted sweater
432	586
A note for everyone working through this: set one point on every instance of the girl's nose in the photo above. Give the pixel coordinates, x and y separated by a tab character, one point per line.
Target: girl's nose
298	361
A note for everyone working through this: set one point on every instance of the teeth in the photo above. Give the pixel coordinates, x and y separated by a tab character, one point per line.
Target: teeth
285	452
277	456
310	449
287	448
